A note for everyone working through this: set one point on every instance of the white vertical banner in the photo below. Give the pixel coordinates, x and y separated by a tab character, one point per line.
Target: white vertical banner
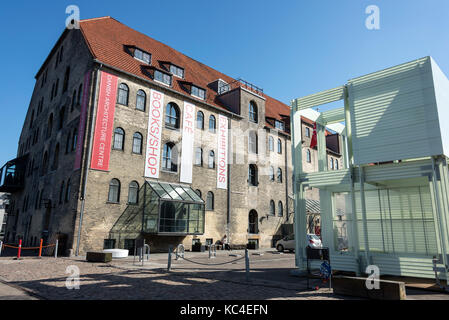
153	148
188	131
222	161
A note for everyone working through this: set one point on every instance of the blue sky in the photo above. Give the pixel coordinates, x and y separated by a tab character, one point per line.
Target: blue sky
289	48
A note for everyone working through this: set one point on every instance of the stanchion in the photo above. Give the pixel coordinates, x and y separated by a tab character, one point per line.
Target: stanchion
247	264
40	248
1	247
169	258
19	250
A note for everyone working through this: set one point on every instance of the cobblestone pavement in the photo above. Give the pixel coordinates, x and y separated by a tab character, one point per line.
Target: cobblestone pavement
194	278
121	279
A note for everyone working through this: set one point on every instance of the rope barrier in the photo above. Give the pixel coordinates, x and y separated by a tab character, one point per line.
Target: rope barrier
212	264
20	248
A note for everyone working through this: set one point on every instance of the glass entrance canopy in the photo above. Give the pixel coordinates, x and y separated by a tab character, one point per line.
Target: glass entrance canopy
164	209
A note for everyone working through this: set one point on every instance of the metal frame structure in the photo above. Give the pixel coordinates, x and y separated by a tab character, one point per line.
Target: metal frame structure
395	174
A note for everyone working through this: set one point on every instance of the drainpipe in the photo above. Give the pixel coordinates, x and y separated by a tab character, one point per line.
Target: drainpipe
86	168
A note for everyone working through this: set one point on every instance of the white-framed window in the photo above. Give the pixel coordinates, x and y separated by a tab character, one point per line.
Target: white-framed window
198	92
279	125
162	77
177	71
142	55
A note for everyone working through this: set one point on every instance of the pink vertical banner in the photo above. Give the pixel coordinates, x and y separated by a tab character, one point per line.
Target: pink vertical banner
101	149
222	163
82	123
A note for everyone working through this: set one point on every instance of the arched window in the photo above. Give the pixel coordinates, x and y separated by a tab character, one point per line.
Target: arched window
253	222
137	143
123	92
56	158
252	142
72	106
252	112
45	163
212	124
210	201
32	119
270	143
49	125
119	137
198	192
279	146
280	209
211	159
336	164
74	139
61	193
61	118
252	175
68	145
200	120
114	191
332	163
170	158
66	79
199	156
67	191
309	156
272	208
80	93
141	100
133	192
172	115
279	177
271	173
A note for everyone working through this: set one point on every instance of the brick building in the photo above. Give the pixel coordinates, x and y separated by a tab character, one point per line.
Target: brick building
127	138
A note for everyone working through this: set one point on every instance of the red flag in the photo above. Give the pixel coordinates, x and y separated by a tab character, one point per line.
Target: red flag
313	140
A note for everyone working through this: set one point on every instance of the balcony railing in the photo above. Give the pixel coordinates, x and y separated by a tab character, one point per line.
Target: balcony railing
240	83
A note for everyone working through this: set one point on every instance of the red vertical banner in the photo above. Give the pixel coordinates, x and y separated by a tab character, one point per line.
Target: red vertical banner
82	123
101	148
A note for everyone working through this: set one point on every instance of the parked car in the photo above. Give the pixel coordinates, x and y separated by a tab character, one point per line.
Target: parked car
314	241
288	242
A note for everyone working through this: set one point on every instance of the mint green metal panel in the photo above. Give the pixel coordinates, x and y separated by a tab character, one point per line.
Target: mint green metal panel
394	114
400	221
326	178
320	98
333	116
441	85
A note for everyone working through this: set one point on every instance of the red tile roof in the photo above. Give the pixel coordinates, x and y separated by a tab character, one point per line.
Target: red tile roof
107	39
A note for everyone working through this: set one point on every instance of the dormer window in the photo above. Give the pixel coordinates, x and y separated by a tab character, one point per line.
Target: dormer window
162	77
142	55
177	71
279	125
198	92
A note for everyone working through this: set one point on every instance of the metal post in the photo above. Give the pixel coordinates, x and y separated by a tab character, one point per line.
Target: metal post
40	248
56	248
247	264
19	250
169	258
143	252
148	253
1	247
